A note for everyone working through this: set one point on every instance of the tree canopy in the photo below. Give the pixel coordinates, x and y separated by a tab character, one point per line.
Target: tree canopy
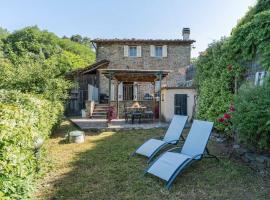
36	61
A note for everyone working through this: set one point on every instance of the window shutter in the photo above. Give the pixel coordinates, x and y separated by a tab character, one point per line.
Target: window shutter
125	50
263	75
164	51
152	50
120	91
139	51
256	78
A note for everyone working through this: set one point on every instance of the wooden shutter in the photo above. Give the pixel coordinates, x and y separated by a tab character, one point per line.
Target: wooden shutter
120	91
125	50
139	51
152	50
263	75
256	78
164	51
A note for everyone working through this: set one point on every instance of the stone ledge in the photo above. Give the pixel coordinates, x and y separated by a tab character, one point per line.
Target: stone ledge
257	161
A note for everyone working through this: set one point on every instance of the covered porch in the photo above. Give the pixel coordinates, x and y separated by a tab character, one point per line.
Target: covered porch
132	90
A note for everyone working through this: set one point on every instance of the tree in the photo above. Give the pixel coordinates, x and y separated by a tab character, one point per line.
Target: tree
76	38
36	61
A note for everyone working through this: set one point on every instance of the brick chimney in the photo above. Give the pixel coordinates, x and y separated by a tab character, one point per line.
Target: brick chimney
186	33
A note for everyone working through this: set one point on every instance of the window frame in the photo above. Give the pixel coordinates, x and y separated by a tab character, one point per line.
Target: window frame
161	51
132	56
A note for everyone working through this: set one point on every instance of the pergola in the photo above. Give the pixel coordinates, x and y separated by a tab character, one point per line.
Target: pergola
134	75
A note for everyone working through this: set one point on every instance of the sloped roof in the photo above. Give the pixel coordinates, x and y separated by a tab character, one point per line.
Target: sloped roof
90	68
145	41
95	66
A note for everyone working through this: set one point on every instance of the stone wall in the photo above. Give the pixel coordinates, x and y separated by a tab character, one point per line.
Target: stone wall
256	161
178	58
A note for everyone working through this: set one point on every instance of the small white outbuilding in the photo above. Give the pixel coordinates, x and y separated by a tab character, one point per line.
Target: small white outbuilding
177	100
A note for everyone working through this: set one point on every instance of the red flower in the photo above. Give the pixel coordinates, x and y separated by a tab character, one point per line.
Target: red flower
227	116
221	120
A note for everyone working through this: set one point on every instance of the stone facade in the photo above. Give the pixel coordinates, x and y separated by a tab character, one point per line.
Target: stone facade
178	58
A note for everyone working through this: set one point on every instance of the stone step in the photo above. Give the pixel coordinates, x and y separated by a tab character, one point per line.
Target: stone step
99	113
101	105
100	109
99	117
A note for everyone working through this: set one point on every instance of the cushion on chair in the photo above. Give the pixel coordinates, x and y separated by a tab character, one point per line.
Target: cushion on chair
165	166
176	127
149	147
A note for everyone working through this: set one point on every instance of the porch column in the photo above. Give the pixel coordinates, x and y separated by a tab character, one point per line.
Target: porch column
160	77
154	100
117	100
110	83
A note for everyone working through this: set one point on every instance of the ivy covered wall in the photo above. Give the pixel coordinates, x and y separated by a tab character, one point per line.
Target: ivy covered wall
221	71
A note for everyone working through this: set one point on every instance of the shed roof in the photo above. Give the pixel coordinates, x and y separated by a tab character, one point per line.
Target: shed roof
89	69
95	66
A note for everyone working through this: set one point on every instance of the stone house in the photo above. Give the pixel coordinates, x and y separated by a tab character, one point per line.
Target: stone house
135	70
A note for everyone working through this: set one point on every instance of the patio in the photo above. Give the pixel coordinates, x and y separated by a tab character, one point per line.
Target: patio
86	123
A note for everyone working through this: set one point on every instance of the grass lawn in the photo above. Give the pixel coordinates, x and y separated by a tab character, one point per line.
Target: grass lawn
101	168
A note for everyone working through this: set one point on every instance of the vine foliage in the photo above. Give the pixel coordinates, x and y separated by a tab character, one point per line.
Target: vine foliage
221	69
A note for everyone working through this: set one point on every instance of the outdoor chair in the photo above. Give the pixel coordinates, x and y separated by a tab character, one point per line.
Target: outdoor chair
149	115
152	146
126	113
172	163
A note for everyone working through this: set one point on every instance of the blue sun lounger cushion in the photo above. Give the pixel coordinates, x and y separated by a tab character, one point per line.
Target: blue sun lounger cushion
170	164
152	146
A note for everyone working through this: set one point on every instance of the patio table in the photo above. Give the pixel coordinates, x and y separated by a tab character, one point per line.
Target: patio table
136	113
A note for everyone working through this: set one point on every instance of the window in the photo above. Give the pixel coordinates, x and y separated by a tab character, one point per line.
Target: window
158	51
128	90
259	76
132	51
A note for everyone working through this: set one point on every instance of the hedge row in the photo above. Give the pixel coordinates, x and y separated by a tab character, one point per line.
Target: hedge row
252	116
23	119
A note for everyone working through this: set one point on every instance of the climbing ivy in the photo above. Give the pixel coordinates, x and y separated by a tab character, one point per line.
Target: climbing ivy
224	62
215	79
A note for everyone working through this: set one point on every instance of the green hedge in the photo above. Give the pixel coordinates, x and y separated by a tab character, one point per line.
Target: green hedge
252	116
23	119
214	78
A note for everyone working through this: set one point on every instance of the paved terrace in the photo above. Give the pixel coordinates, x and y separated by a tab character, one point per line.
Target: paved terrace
86	123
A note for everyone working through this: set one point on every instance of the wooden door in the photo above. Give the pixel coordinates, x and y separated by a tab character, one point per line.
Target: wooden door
180	104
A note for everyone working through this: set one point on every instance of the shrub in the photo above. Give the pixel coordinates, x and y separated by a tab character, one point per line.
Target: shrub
215	75
23	119
224	122
252	116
